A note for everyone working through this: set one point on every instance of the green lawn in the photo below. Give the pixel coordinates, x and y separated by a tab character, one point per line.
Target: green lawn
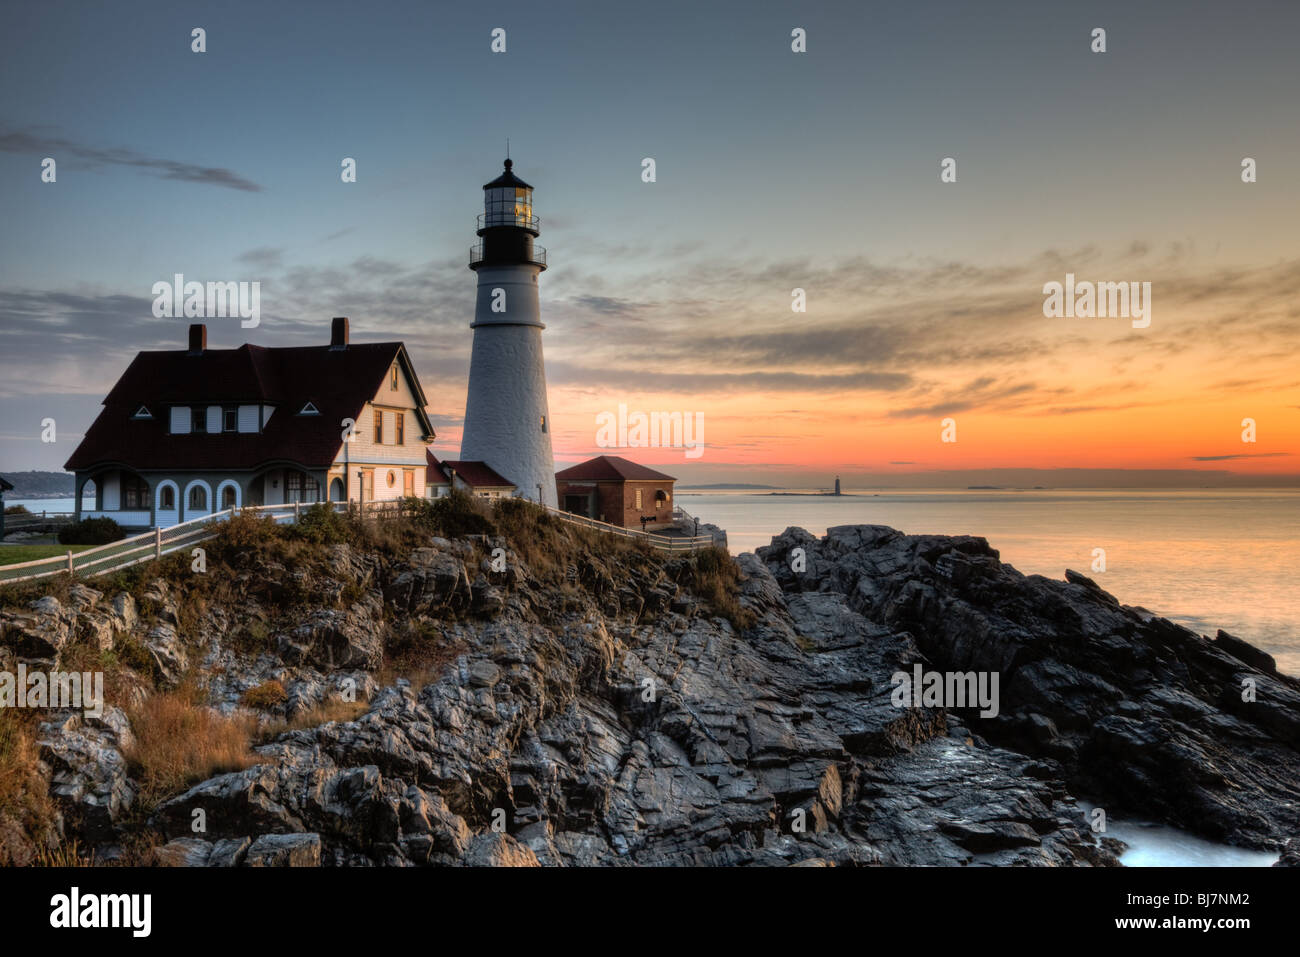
14	554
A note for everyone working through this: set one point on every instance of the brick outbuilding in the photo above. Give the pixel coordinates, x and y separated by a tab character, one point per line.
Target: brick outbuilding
611	489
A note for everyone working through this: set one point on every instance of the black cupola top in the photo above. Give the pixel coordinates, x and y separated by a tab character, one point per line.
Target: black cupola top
507	179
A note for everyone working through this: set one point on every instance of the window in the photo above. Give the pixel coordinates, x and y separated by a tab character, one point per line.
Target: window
301	487
661	499
392	379
198	499
543	423
309	409
199	419
142	413
401	427
135	492
230	419
392	478
638	498
228	497
167	498
379	426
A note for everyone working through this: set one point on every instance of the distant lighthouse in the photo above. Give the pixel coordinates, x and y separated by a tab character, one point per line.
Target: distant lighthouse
507	423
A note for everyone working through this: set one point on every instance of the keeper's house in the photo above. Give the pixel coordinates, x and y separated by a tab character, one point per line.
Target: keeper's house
189	432
612	489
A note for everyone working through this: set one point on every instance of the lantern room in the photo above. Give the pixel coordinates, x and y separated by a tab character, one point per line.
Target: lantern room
508	201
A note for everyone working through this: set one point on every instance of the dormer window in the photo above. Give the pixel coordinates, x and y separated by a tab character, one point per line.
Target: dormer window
198	419
230	419
309	409
142	413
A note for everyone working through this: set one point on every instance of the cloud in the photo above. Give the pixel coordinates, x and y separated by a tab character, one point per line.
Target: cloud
264	257
90	157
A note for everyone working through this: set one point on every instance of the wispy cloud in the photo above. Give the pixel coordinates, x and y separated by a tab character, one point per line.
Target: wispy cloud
90	157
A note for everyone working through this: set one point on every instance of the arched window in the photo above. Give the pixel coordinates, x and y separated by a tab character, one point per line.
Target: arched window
661	498
228	497
198	498
167	498
336	490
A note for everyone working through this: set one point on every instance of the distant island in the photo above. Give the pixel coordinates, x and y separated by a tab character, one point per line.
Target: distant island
722	485
40	484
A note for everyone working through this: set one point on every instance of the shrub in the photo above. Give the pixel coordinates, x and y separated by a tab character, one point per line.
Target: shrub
16	510
322	525
91	531
247	529
453	515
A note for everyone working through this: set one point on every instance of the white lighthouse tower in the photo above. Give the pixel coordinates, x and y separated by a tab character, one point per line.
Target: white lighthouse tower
507	423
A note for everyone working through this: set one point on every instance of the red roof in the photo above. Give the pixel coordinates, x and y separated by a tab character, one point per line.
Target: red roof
433	469
611	468
338	382
478	475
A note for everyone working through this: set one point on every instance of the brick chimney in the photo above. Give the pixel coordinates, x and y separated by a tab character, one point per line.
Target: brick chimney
339	333
198	339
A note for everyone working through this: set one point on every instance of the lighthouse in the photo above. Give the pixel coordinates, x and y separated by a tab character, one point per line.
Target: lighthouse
507	423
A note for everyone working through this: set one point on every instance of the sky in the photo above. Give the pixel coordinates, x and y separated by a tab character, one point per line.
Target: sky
775	170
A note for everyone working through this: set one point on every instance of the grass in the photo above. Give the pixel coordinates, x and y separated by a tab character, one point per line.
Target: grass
24	798
265	696
179	741
17	554
331	709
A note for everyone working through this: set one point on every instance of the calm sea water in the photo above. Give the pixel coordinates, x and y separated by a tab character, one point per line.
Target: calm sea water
1206	559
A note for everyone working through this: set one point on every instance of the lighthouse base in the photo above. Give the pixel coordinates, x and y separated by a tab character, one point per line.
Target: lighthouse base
507	422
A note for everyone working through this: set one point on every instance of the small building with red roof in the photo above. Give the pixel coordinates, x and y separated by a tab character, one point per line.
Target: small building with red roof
476	478
610	488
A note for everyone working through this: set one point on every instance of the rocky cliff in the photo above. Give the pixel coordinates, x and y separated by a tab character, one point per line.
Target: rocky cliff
592	705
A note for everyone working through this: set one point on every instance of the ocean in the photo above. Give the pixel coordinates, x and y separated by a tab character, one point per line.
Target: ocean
1207	559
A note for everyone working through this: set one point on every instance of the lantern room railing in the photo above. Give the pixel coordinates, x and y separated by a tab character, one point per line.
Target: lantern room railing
537	257
506	218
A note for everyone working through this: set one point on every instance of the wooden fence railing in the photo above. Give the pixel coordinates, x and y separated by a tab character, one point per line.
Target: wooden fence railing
148	546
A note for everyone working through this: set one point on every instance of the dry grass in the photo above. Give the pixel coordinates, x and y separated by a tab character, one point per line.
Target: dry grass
179	741
714	575
25	805
331	709
267	695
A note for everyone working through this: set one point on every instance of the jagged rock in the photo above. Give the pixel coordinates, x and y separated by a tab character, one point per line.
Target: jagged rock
228	852
88	774
1141	713
284	850
41	632
336	639
434	579
167	651
184	852
499	850
604	715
